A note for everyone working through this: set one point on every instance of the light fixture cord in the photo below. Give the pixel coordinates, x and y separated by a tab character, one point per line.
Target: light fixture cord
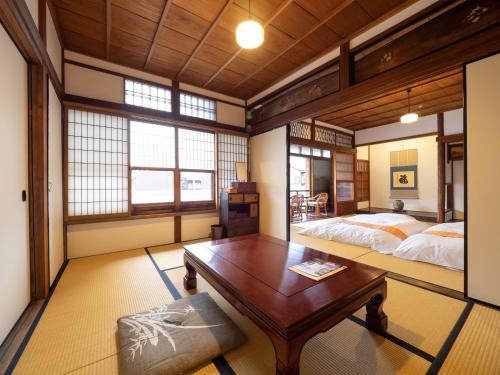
249	9
408	100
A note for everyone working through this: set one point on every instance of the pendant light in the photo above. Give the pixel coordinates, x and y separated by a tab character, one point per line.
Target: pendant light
249	33
409	117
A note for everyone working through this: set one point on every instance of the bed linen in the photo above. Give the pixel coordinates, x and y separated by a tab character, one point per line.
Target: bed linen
380	232
441	244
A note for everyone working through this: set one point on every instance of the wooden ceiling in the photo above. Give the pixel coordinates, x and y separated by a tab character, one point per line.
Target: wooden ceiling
439	94
193	40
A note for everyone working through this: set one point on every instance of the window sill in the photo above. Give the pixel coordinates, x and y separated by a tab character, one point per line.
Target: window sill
104	219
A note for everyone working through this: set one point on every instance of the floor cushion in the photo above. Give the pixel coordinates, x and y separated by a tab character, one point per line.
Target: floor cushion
174	338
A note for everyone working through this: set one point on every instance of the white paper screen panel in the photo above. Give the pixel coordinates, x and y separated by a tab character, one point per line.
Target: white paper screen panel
196	149
232	149
97	164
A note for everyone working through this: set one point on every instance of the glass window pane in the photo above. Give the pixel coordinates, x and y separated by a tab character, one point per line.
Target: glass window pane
196	186
294	149
305	150
326	153
152	145
152	186
316	152
191	105
299	175
148	96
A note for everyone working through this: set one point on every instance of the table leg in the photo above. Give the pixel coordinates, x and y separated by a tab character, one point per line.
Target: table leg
287	355
190	278
376	320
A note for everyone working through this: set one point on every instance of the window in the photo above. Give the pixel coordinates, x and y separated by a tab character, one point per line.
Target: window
97	164
232	149
300	175
308	151
196	106
152	160
197	165
148	96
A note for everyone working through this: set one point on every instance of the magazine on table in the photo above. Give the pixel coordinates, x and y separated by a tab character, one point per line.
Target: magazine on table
317	269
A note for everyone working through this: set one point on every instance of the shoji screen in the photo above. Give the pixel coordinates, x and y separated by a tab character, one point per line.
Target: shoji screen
483	179
97	164
231	149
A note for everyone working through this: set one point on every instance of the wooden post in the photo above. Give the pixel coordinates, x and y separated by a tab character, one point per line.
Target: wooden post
345	66
39	213
441	201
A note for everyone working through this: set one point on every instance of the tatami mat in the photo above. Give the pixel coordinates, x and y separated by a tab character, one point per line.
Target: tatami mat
77	329
422	318
348	348
172	255
422	271
477	348
331	247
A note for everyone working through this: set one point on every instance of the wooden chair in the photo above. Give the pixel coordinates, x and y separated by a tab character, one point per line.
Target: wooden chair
296	204
316	203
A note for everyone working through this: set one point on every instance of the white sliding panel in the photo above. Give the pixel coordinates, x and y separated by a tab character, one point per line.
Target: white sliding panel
483	179
268	165
14	223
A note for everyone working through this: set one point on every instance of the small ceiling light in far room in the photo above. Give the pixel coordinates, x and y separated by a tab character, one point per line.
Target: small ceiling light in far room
249	33
409	117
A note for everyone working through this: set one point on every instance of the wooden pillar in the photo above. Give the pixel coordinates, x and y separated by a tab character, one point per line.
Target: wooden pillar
441	201
39	213
345	66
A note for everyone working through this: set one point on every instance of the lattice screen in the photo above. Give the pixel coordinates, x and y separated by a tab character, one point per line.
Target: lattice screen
324	135
300	130
97	164
344	140
232	149
196	149
196	106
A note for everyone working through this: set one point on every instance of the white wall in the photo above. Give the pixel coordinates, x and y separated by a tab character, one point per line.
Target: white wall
56	213
194	227
53	46
14	222
230	114
427	173
268	165
100	238
483	179
458	189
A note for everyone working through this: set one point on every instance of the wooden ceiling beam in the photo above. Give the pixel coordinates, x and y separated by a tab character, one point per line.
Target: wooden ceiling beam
204	38
284	4
315	27
108	27
154	42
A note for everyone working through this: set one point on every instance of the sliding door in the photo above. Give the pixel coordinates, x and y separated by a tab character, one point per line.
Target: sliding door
345	203
14	222
322	178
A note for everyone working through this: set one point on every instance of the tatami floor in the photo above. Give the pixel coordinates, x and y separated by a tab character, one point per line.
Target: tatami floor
428	332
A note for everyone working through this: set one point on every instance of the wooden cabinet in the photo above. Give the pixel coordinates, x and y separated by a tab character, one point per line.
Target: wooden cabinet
239	213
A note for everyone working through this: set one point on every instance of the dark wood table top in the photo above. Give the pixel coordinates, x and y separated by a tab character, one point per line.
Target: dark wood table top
255	269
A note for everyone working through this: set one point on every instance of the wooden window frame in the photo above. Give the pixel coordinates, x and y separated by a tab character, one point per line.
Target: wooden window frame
150	84
197	96
147	210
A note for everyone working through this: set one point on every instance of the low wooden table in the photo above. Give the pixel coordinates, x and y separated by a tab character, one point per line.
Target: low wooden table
251	273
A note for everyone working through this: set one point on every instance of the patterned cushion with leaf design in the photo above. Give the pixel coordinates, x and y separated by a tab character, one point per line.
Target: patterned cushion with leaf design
174	338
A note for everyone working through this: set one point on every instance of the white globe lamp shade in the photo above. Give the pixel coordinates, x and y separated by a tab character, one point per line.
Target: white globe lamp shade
409	118
249	34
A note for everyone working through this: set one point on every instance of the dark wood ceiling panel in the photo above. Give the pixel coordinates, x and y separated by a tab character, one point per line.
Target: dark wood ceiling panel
223	40
122	19
349	20
241	66
81	25
321	39
281	66
444	93
129	42
177	41
376	8
83	44
150	9
212	55
194	41
318	8
206	9
185	22
287	21
134	59
93	9
299	54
